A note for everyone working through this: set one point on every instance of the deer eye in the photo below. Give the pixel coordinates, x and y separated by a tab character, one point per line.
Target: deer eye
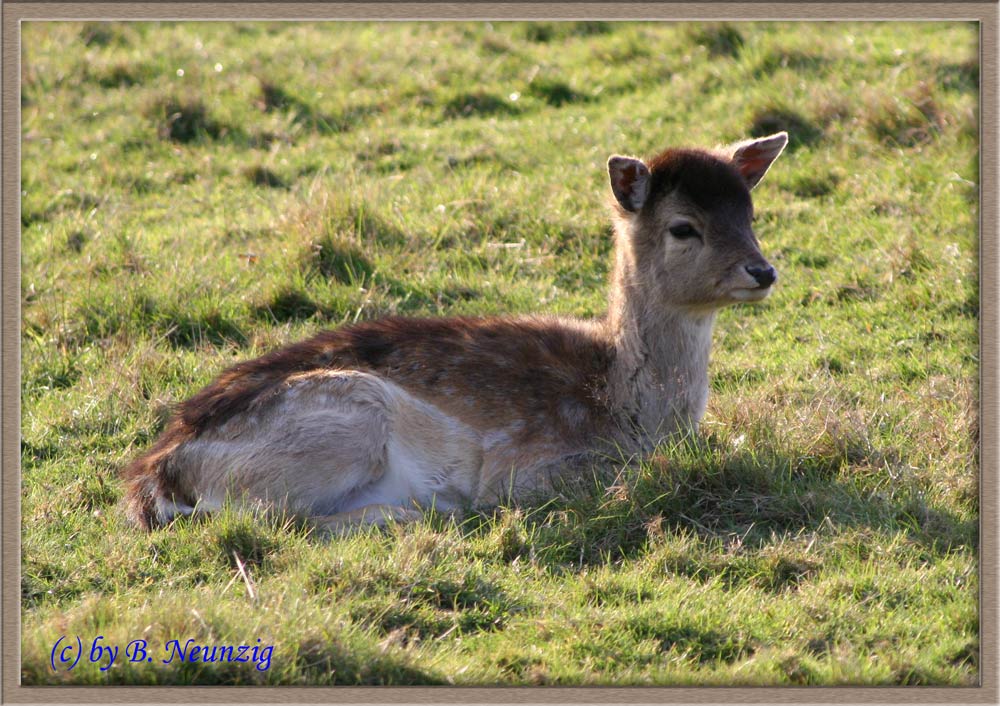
682	231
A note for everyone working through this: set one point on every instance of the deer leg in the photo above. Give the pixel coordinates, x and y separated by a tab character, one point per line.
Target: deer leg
379	515
510	482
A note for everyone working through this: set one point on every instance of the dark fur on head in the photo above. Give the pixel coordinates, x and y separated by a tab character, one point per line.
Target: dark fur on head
706	179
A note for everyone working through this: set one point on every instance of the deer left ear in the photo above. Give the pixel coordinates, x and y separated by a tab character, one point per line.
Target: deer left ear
752	158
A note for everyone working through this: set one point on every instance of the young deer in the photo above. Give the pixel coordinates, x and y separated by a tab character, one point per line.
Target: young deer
377	420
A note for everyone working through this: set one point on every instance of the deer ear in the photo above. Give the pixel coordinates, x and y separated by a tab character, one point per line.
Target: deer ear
752	158
629	181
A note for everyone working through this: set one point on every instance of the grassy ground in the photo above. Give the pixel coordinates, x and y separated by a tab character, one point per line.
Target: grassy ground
196	194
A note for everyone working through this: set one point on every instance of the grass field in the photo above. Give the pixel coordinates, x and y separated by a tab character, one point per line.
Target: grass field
196	194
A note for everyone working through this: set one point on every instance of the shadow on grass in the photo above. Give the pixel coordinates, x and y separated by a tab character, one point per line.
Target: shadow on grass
963	76
544	32
335	258
802	131
259	175
721	39
274	98
184	119
555	92
425	606
479	104
291	305
793	60
693	640
197	330
717	495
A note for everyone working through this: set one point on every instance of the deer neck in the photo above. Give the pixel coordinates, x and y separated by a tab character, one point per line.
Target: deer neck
658	383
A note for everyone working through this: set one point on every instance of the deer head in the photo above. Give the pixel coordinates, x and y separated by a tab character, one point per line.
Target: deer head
684	221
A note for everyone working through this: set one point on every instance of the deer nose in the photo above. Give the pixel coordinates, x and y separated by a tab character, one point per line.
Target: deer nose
765	276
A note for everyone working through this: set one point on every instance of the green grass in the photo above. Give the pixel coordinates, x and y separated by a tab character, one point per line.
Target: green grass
822	530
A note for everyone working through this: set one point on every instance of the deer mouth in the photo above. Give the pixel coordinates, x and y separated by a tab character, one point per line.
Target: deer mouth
750	294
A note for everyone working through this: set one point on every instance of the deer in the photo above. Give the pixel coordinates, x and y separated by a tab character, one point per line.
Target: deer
376	422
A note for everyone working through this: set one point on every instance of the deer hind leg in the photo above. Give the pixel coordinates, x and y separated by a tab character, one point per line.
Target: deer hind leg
378	515
535	476
431	460
301	453
332	449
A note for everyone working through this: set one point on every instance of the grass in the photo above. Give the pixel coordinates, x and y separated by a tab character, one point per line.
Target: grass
194	194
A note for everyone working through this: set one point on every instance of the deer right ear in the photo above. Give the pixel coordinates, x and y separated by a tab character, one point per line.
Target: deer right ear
629	181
